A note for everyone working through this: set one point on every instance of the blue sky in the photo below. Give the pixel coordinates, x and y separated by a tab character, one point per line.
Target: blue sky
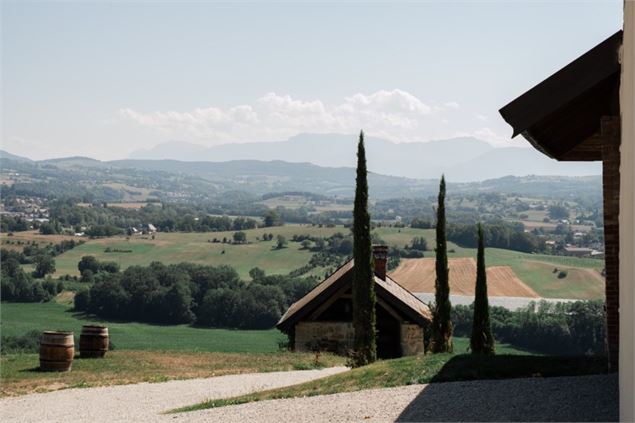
104	79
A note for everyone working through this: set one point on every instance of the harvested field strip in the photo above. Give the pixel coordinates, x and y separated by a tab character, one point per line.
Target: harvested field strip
418	275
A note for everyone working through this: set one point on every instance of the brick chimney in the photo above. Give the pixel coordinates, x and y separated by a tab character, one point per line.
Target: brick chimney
380	258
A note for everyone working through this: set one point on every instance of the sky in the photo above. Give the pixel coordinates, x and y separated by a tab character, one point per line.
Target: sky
104	79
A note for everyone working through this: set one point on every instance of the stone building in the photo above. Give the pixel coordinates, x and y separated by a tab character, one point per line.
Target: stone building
322	319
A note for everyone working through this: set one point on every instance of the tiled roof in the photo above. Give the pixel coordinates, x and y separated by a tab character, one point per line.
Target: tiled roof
405	296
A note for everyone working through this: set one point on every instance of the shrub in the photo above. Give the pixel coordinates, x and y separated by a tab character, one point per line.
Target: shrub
50	286
27	343
87	276
81	301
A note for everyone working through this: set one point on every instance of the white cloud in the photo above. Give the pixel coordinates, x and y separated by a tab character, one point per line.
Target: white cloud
393	114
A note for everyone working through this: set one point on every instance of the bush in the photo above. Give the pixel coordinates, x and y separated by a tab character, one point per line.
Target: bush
21	287
87	276
27	343
88	263
81	301
562	274
44	265
50	286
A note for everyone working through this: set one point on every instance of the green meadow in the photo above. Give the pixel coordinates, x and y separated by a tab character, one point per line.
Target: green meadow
20	318
196	247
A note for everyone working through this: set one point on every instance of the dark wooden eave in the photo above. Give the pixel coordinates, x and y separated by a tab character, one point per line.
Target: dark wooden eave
402	300
561	116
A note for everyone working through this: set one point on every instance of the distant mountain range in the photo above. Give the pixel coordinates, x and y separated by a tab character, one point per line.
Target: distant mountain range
197	181
6	155
461	159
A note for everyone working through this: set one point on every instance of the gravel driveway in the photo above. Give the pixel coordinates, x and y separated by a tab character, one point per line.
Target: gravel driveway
144	401
584	398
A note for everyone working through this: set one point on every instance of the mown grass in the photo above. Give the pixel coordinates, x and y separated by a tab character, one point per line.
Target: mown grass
20	375
429	368
19	318
196	248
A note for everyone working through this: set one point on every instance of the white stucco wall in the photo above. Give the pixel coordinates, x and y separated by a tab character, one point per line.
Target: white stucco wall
627	220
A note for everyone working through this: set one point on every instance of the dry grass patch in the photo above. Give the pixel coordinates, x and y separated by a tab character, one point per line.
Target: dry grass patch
27	237
418	275
20	374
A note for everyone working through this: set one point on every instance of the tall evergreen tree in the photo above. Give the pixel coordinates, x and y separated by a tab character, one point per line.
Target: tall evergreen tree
481	341
441	321
363	284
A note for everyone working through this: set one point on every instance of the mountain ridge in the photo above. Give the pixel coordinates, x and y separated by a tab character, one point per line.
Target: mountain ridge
462	159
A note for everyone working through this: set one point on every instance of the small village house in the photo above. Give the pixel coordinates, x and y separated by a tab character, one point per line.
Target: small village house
322	319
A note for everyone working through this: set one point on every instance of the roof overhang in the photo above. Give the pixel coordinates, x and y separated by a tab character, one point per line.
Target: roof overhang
562	115
388	290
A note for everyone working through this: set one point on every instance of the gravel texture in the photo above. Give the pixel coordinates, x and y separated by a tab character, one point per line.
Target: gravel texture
144	401
584	398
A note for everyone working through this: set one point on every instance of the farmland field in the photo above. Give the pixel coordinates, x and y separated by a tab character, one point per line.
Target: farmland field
18	240
583	280
195	247
418	275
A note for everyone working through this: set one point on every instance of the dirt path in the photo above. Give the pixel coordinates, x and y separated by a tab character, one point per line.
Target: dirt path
585	398
144	401
418	275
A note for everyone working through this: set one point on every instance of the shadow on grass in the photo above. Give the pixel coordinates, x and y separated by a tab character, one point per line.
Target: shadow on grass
33	370
472	367
536	397
93	318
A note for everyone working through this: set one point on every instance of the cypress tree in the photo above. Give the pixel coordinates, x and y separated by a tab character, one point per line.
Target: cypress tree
363	283
481	341
441	321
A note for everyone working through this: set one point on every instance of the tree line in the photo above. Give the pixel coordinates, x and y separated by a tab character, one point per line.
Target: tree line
543	327
17	285
189	293
500	235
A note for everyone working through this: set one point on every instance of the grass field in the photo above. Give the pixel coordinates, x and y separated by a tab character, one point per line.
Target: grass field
196	248
18	240
20	375
536	270
19	318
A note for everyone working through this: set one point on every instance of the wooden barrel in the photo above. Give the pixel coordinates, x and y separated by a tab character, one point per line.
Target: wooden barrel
57	350
93	341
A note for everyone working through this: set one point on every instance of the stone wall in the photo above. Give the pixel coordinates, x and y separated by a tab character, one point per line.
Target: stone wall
411	339
335	337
